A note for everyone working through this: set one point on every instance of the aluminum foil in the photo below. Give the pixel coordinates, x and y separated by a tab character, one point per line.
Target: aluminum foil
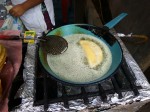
27	89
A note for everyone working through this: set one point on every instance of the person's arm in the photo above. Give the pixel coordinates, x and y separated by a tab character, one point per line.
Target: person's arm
20	9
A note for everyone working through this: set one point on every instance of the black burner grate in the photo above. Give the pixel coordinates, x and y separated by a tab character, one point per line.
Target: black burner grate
46	89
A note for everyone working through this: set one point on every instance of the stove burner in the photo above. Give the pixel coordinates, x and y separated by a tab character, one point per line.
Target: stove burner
46	89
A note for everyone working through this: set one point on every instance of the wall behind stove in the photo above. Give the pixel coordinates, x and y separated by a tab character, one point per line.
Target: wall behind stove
137	22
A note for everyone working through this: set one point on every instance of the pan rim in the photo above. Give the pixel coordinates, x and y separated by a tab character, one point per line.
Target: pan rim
97	81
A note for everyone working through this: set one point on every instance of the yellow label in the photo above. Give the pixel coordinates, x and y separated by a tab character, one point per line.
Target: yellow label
29	37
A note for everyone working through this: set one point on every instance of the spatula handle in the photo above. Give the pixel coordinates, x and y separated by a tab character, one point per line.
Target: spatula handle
4	37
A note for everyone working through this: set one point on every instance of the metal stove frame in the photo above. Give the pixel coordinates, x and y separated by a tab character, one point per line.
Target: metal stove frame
124	70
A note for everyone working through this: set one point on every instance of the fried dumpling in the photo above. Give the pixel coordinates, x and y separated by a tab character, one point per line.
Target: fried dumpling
93	52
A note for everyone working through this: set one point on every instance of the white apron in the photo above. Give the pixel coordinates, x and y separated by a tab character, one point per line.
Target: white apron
33	18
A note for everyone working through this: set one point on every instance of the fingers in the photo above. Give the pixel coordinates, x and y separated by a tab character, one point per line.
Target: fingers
16	11
13	13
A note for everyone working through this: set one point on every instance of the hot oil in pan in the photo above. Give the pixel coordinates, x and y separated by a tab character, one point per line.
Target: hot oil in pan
73	65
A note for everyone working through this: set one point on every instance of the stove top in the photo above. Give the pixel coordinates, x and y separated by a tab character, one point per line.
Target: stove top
40	92
48	90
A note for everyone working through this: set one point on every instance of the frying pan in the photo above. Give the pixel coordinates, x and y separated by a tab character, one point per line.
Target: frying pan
100	33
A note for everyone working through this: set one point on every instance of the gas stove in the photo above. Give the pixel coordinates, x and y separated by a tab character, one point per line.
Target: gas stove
40	92
49	91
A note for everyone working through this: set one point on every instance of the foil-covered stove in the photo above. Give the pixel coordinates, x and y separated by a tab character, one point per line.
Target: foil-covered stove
41	93
48	91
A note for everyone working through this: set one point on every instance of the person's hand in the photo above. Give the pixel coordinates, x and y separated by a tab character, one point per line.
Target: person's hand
17	10
10	70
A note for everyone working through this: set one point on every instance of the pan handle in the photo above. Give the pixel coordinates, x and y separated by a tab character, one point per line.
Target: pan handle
143	38
115	21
